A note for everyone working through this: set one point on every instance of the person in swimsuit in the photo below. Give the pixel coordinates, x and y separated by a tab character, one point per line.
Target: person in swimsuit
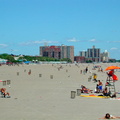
108	116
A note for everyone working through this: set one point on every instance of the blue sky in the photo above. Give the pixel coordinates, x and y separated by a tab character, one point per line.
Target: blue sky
25	25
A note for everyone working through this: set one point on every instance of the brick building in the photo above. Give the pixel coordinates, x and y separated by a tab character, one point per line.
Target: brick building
58	52
79	59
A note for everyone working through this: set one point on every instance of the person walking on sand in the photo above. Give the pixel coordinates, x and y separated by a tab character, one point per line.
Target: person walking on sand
86	69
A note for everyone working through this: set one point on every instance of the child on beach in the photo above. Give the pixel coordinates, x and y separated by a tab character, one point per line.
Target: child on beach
95	77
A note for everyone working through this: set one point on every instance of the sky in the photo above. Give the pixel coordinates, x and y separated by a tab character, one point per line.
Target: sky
25	25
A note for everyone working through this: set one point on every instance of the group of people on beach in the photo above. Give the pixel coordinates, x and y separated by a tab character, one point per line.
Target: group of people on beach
99	85
105	91
99	89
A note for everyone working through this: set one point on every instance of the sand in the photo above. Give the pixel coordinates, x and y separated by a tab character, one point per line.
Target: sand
45	94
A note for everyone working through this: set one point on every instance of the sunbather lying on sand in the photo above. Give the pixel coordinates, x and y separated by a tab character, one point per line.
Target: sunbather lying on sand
3	92
108	116
85	90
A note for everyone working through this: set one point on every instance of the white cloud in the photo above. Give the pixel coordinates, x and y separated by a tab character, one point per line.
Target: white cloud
92	40
38	42
44	41
116	41
3	45
113	41
73	40
113	48
13	50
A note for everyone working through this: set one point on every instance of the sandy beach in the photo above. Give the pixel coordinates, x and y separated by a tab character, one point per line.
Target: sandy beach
45	94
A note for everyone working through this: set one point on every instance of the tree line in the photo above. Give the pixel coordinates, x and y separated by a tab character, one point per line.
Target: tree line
11	58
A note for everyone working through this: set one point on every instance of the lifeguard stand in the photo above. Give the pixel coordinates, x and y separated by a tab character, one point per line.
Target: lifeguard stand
110	84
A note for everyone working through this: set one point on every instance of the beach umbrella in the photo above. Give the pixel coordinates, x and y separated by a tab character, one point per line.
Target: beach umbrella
112	68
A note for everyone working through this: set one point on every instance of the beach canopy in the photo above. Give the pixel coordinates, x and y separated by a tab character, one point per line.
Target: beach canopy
27	62
3	61
2	80
112	68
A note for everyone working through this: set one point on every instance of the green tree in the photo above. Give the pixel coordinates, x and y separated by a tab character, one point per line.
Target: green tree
66	59
8	57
